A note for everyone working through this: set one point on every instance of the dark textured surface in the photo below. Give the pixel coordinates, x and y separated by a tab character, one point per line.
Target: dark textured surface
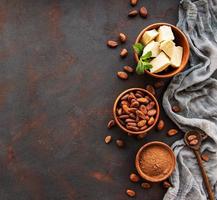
57	87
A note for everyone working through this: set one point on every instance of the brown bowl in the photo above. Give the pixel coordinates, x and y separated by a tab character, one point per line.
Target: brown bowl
163	164
115	107
180	39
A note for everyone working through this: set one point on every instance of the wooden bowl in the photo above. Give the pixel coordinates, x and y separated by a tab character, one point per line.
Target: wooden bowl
160	150
180	40
116	118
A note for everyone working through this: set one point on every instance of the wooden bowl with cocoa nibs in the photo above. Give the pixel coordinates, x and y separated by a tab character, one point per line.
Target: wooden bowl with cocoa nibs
136	111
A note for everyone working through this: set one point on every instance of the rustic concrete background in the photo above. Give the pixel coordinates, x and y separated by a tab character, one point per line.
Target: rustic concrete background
57	87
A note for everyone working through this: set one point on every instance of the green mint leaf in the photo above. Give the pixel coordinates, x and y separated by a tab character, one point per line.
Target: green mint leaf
143	64
138	48
139	68
146	56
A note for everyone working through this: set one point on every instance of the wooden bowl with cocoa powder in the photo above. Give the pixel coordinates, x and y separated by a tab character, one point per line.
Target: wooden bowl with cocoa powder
136	111
180	39
155	161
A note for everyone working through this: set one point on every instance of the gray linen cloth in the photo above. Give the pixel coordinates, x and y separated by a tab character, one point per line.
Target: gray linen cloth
196	93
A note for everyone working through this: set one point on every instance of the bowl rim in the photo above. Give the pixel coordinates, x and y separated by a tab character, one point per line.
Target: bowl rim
165	146
179	69
116	118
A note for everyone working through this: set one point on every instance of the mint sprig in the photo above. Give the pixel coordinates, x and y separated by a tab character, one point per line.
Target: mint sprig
143	63
138	48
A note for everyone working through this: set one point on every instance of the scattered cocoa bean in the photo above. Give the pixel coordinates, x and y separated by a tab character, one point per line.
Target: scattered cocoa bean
205	157
151	121
160	125
120	143
112	43
143	12
128	69
166	184
122	75
191	137
172	132
133	2
133	13
151	89
131	193
108	139
134	178
142	135
158	84
176	108
146	185
193	142
122	37
111	123
152	112
123	53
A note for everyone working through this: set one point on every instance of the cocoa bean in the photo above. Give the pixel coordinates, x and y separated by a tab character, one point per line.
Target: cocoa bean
111	123
151	89
193	142
120	143
134	178
125	109
146	185
133	2
125	97
128	69
147	117
131	124
143	100
150	105
132	110
133	13
132	128
152	112
143	109
123	53
132	115
135	104
122	75
172	132
112	43
123	117
124	103
131	193
205	157
140	114
138	95
119	111
144	128
166	184
176	108
141	123
122	37
151	121
191	137
143	12
130	120
160	125
108	139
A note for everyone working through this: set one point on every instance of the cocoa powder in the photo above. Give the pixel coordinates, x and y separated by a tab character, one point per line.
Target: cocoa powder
155	161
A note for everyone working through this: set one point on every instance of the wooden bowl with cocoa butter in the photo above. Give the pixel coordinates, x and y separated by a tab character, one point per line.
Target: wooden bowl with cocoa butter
155	161
169	48
136	111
